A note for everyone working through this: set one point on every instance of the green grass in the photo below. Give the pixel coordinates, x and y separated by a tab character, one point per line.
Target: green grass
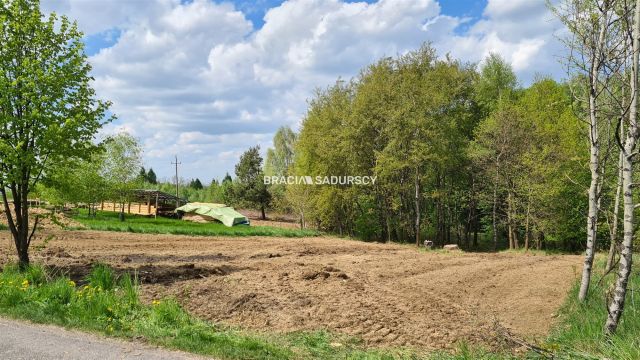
110	305
108	221
580	332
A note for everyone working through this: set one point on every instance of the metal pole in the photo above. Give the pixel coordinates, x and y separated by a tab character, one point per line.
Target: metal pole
177	182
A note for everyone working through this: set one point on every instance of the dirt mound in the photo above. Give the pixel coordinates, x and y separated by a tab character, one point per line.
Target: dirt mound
275	223
151	274
55	252
387	295
285	221
47	220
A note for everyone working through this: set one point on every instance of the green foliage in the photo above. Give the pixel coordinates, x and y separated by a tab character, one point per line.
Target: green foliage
196	184
280	157
249	187
102	276
407	121
108	221
142	175
76	182
496	83
49	113
147	176
453	135
278	163
119	166
151	177
110	174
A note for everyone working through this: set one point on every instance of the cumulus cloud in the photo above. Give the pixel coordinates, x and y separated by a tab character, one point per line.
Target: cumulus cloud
523	31
197	78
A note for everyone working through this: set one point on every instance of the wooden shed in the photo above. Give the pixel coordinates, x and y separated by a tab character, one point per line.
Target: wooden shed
146	202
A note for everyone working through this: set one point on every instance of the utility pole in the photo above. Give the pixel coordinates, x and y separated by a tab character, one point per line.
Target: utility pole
177	182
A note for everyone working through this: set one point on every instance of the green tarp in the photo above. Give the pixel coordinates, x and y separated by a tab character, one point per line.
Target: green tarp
225	214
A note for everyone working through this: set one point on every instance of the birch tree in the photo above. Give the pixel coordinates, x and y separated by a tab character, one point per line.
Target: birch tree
616	306
589	22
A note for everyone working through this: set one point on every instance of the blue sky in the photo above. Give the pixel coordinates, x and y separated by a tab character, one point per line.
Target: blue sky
206	80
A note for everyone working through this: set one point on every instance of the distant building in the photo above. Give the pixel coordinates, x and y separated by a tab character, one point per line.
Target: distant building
146	202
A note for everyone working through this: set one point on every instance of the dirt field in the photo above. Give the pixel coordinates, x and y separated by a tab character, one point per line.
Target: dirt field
389	295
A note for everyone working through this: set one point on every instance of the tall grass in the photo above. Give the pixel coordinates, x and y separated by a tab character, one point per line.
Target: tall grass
109	221
580	333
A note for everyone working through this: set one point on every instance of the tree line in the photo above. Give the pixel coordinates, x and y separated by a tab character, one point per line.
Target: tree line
459	154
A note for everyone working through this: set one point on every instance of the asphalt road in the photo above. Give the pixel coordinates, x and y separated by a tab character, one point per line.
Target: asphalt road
25	341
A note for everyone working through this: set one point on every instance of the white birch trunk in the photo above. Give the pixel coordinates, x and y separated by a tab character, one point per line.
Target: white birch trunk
616	307
613	233
594	159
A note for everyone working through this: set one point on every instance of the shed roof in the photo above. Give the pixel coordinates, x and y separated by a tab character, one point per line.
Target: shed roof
144	194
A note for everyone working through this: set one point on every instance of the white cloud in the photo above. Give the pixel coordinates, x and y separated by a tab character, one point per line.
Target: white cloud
198	80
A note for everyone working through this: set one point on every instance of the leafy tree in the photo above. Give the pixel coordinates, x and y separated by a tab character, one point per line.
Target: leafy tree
196	184
79	182
226	191
407	121
142	175
280	157
278	163
122	159
48	110
151	177
497	82
250	187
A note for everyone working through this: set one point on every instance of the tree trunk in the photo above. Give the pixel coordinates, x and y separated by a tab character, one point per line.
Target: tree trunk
539	237
526	225
417	204
594	160
18	220
495	207
616	307
592	220
509	223
475	237
613	233
264	216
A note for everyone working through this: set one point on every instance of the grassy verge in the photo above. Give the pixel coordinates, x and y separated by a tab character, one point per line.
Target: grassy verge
108	221
106	304
580	332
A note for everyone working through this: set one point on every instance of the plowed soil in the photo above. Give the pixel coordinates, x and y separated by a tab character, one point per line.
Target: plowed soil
388	295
